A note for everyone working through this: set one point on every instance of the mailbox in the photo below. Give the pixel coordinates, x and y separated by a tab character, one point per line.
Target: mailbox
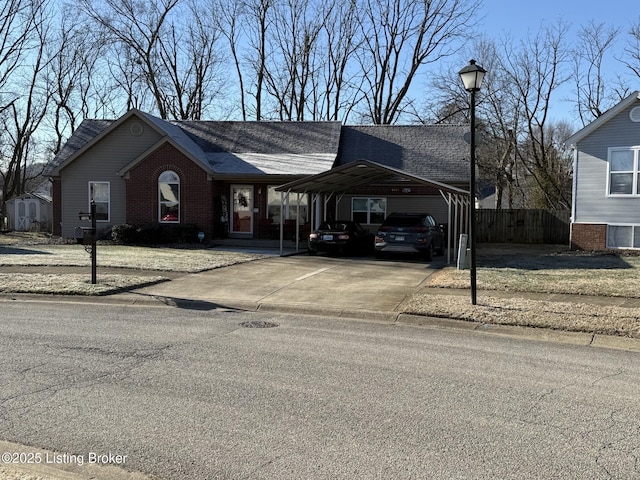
85	235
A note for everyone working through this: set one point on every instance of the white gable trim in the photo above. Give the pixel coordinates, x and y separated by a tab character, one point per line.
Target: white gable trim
598	122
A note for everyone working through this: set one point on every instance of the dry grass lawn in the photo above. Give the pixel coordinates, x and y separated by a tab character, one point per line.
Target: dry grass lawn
36	250
542	269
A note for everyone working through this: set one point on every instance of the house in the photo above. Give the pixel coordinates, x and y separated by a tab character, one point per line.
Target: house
222	176
606	184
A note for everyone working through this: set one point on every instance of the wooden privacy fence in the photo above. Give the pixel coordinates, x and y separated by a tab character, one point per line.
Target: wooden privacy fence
522	226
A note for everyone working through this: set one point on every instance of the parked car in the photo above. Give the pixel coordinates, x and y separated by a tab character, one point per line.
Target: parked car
341	236
410	233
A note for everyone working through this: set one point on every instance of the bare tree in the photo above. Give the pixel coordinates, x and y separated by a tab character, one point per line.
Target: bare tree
231	17
632	50
401	37
190	58
594	93
23	67
291	73
338	83
258	15
75	54
137	27
536	68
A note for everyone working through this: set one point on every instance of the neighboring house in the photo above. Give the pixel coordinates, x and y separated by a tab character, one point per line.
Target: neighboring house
606	184
30	212
222	176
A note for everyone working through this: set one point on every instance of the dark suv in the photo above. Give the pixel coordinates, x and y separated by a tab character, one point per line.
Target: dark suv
410	233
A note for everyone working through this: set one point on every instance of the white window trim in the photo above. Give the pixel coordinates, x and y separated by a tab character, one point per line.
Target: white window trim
633	228
289	201
368	199
108	202
635	192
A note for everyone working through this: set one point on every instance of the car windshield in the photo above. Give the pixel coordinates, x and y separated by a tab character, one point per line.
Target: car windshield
404	222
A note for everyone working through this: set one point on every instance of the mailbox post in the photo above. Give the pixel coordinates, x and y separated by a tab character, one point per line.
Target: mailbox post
87	237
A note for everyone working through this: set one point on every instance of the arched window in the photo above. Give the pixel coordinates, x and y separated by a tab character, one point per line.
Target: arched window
169	197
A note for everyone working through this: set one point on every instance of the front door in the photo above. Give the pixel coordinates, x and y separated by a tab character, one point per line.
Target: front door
242	209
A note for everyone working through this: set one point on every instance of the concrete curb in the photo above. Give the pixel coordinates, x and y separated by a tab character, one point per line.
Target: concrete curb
586	339
591	339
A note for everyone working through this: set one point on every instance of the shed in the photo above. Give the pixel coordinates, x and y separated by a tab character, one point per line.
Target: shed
30	212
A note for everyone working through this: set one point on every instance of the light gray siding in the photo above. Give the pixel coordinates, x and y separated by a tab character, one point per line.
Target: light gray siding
591	200
100	164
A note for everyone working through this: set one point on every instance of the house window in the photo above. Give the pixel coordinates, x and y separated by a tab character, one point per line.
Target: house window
99	192
292	206
368	210
169	197
623	236
623	171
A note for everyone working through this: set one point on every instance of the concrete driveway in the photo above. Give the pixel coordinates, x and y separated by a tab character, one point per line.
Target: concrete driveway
357	286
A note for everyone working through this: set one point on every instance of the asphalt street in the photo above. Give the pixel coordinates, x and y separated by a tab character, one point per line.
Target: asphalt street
188	393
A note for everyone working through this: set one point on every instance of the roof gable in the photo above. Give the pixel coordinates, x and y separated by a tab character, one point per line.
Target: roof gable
86	132
90	132
604	118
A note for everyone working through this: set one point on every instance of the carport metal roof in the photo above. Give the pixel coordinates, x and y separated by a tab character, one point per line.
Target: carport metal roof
359	174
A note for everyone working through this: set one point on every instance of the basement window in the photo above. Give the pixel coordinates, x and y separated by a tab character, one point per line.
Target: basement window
623	236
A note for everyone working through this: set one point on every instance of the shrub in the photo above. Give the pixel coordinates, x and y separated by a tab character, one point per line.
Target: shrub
157	233
124	234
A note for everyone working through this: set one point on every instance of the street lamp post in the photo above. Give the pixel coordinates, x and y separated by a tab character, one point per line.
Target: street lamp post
471	77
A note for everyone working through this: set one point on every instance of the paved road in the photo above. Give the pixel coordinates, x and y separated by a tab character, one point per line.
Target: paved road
193	394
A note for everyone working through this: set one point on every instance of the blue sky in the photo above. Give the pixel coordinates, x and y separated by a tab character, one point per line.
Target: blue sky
517	18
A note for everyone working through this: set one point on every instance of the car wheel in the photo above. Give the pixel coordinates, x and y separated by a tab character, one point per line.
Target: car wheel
380	255
312	252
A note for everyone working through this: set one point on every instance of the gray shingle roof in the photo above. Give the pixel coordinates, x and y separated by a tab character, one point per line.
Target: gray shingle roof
265	137
274	148
438	152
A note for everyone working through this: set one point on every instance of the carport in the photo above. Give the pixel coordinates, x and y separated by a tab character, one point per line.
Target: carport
346	178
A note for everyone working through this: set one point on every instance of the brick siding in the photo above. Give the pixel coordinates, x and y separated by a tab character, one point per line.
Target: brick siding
588	236
196	190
